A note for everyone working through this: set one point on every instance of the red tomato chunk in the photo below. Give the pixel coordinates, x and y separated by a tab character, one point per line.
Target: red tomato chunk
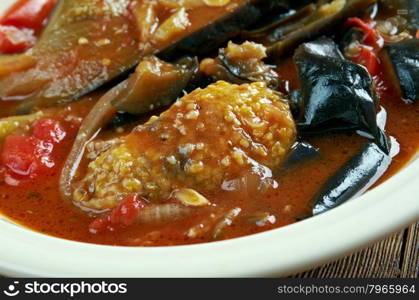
371	36
19	154
369	59
14	40
28	157
123	215
30	14
49	130
372	42
22	23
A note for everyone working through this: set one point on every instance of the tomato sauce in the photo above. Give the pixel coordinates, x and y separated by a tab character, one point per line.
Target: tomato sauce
41	208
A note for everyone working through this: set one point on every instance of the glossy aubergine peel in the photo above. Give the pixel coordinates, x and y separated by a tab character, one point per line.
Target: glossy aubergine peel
336	94
351	180
402	58
336	97
320	20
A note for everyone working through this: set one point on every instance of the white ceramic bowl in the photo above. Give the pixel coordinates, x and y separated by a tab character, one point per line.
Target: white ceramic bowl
280	252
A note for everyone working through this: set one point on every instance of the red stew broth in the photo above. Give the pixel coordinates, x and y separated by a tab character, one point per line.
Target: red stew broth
40	207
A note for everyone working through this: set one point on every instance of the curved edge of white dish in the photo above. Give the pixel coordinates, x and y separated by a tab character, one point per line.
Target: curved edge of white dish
280	252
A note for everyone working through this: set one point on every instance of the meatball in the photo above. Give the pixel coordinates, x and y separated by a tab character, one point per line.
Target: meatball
208	137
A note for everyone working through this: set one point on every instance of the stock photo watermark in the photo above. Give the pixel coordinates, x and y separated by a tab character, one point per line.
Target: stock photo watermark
70	289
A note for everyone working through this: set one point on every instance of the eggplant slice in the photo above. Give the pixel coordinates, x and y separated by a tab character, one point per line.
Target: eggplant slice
336	94
87	44
241	64
300	153
75	54
210	37
318	21
353	179
404	61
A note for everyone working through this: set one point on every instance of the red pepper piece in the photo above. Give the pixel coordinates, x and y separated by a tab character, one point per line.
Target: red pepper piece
371	36
22	23
14	40
369	59
30	14
123	215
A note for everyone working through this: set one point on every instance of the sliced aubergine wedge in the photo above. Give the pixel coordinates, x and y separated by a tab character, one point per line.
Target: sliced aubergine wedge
336	94
402	60
208	38
358	174
89	43
84	45
317	19
301	152
353	179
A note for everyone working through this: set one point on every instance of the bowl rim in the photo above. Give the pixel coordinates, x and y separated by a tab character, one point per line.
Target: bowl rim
279	252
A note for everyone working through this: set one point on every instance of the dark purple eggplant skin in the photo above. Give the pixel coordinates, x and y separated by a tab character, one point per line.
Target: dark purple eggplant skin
276	12
404	57
210	37
354	178
336	94
300	153
321	26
